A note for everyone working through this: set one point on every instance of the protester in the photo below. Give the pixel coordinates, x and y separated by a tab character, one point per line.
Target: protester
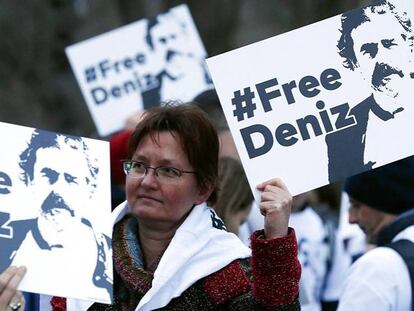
313	250
170	249
382	204
235	198
10	298
346	246
118	147
209	102
311	230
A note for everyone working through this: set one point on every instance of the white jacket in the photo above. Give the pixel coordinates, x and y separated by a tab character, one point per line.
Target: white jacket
379	280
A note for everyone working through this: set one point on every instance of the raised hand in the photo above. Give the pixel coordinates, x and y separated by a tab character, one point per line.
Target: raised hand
275	206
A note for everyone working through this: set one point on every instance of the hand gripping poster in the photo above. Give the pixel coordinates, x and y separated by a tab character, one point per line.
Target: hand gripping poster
323	102
55	212
139	65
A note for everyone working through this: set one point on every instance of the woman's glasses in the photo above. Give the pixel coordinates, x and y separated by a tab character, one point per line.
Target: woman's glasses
164	174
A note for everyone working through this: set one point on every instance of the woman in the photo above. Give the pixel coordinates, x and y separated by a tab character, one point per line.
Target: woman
171	252
235	198
10	298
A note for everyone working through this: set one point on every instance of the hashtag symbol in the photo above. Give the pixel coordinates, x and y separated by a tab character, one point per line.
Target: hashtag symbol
247	99
90	74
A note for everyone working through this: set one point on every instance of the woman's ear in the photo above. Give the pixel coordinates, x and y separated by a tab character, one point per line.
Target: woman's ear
204	193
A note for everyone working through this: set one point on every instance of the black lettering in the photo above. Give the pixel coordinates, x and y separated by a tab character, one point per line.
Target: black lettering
116	91
324	116
252	151
287	90
284	133
150	82
99	95
5	231
140	58
137	80
313	121
329	79
128	63
343	119
5	183
266	97
129	86
116	66
104	67
308	86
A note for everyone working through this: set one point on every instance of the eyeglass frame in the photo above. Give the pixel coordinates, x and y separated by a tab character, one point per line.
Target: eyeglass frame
131	162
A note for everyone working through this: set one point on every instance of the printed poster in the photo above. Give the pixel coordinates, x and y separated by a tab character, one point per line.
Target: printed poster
55	212
323	102
139	65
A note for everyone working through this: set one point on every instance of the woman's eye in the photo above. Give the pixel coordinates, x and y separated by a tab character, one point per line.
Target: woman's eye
138	165
170	171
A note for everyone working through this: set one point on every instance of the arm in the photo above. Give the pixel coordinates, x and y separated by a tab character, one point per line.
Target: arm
275	265
276	269
270	279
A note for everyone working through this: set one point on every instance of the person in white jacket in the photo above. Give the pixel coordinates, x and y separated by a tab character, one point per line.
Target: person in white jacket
382	202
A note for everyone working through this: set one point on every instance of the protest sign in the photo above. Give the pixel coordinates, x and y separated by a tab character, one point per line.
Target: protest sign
55	212
138	65
323	102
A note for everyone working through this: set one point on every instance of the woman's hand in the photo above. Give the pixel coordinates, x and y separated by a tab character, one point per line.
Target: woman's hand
275	206
9	296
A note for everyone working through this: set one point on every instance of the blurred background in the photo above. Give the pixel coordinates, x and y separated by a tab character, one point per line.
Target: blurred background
37	86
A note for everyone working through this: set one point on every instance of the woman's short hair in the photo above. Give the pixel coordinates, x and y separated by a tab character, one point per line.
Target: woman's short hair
197	135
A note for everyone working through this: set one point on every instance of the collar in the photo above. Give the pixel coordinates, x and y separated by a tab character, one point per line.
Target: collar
403	221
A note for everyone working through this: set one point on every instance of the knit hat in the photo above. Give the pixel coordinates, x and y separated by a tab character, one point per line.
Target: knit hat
389	188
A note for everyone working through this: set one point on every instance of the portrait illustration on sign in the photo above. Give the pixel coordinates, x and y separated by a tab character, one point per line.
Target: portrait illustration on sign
52	229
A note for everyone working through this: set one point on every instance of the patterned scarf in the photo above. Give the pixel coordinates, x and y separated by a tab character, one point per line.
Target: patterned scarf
131	281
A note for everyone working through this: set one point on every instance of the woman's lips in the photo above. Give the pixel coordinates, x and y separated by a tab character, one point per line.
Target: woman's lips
148	197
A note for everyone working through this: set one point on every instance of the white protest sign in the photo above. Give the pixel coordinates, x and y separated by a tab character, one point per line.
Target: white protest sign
55	212
139	65
323	102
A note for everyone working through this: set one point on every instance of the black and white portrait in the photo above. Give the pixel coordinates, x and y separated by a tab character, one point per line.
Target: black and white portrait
377	43
178	71
57	239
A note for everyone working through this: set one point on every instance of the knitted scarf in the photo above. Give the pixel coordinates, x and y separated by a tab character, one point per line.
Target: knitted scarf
198	240
131	281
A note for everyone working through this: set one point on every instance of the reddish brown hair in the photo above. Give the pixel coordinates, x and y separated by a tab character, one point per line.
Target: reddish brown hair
197	135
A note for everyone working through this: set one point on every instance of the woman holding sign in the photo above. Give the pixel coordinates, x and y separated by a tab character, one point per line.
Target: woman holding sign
171	251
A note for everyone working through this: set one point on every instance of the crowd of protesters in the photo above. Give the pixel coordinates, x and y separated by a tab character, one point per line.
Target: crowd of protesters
188	234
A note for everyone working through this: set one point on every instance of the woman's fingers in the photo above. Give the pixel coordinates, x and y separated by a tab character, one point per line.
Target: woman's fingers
275	206
9	280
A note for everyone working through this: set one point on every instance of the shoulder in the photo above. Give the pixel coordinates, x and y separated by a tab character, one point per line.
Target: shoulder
382	277
377	258
379	264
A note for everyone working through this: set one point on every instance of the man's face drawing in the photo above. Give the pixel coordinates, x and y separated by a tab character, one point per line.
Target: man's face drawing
382	56
168	38
59	171
61	185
